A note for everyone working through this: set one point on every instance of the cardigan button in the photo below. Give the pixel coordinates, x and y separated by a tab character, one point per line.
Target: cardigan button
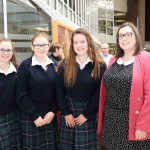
137	112
134	124
139	98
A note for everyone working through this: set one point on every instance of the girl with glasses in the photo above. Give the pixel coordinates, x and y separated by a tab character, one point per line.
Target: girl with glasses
36	97
124	107
78	81
9	117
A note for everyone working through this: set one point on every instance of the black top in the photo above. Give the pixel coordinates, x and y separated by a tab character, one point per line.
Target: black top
7	92
36	88
86	89
55	58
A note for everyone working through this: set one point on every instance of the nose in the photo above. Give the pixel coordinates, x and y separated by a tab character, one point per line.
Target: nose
5	52
41	46
124	37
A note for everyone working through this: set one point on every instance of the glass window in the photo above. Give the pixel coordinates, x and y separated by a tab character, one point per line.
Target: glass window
1	19
23	22
102	27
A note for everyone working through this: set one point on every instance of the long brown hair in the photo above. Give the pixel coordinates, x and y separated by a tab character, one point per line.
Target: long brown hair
70	65
13	58
138	47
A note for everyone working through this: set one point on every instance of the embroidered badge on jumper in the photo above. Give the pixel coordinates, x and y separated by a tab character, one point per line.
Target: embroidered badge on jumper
92	75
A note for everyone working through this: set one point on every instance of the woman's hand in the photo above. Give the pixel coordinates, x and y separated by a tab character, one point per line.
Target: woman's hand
39	122
70	120
49	117
140	135
80	120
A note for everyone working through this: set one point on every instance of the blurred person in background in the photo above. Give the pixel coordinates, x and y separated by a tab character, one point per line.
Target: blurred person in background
57	52
104	52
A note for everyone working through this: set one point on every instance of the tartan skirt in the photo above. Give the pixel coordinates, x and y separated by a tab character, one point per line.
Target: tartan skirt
10	131
38	138
82	137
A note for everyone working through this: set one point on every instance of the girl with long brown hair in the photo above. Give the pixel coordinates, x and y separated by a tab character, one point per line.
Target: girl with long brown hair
9	117
78	82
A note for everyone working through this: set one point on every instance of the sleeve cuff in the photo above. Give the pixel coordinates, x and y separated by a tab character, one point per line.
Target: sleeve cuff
66	112
34	116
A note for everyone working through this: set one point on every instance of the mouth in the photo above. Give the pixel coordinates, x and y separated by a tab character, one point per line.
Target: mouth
125	43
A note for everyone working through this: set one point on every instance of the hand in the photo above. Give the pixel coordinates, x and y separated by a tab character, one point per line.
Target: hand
140	135
70	120
49	117
80	120
39	122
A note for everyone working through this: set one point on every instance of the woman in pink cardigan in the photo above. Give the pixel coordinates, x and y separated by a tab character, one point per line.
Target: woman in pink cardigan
124	108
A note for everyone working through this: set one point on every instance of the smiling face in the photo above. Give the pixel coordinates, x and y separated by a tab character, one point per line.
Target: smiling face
42	50
80	44
127	43
5	57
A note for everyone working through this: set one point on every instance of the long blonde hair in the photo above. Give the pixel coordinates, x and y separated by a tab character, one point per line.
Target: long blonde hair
13	58
70	65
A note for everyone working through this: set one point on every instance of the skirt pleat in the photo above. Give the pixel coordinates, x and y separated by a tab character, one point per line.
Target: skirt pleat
10	135
38	138
82	137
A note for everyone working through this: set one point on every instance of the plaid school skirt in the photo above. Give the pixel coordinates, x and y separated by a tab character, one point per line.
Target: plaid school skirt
82	137
38	138
10	131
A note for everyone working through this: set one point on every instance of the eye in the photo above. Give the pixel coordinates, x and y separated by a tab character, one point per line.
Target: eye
120	35
8	50
128	34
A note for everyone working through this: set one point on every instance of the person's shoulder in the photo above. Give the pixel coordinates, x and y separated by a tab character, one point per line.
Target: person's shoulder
26	61
54	61
103	66
144	54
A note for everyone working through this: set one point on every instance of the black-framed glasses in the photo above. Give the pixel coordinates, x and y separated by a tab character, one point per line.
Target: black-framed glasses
127	35
38	46
9	51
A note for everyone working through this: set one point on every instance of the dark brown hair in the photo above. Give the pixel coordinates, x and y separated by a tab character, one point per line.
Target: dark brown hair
54	46
13	59
138	47
70	65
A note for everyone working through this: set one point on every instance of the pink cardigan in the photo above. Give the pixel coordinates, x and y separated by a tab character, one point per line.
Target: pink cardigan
139	109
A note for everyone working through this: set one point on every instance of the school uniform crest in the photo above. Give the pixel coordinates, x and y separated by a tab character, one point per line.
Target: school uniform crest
92	75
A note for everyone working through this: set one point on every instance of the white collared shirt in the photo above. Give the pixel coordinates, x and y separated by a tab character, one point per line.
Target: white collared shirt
10	70
82	66
36	62
106	58
120	62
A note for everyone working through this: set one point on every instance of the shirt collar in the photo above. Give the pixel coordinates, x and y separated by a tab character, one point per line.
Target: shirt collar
104	55
36	62
87	61
10	70
120	62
